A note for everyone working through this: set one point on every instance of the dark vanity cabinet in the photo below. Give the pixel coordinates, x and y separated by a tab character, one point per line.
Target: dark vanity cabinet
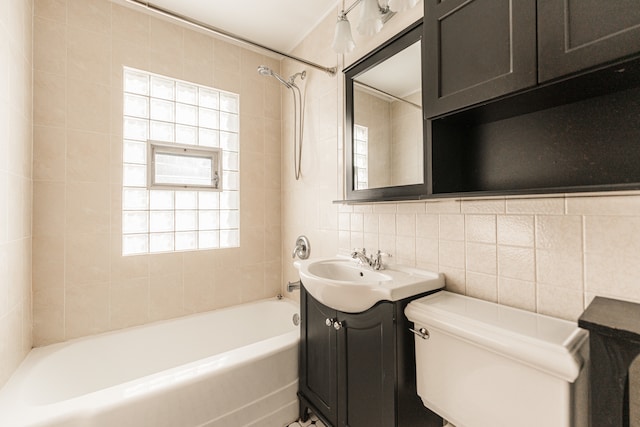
358	370
477	50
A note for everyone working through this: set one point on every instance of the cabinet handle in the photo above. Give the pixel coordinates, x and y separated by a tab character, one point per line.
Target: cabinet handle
337	325
328	322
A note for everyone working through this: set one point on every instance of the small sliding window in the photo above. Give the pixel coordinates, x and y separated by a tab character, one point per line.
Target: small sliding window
181	167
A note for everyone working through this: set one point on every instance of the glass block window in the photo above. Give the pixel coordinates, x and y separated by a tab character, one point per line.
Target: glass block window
164	114
360	157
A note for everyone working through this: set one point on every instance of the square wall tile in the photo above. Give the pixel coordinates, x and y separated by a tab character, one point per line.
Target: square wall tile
517	293
516	230
480	228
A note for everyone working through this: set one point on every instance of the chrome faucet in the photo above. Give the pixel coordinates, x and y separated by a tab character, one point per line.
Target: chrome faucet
373	261
361	256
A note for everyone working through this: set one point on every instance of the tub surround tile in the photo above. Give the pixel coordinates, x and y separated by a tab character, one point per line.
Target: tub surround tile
19	108
166	297
129	25
49	99
49	153
86	310
94	15
51	9
88	56
50	42
126	299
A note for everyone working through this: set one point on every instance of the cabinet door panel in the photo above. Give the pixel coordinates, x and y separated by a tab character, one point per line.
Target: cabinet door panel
477	50
575	35
318	370
366	368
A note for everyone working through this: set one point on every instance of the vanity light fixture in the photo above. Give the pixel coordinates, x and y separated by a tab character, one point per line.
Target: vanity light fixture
401	5
373	15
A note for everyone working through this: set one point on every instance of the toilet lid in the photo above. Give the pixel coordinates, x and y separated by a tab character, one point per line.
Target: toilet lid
545	342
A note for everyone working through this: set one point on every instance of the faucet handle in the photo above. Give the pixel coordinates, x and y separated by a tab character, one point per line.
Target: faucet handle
377	260
380	253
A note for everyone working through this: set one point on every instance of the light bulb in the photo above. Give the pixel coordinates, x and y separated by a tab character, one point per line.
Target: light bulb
342	38
370	21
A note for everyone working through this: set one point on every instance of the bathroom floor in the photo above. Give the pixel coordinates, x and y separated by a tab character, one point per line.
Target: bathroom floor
312	421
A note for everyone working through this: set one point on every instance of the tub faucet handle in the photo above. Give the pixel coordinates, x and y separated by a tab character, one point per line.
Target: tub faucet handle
302	249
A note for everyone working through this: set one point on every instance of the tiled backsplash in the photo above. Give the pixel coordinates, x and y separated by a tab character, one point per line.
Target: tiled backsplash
550	255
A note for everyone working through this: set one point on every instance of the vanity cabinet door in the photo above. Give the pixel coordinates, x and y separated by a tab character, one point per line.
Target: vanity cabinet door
477	50
318	355
575	35
367	368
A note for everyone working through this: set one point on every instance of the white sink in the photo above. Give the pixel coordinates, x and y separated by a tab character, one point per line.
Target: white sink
344	285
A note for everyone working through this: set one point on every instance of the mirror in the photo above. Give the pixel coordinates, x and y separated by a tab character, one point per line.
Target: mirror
384	121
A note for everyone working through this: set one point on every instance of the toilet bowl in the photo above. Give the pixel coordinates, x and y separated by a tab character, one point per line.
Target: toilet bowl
481	364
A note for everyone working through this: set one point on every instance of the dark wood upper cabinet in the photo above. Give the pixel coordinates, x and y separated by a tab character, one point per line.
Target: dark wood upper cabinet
576	35
477	50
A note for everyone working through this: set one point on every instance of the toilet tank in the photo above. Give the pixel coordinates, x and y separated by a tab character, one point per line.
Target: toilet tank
488	365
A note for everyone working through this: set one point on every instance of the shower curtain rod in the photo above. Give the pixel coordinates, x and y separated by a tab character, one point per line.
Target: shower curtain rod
157	9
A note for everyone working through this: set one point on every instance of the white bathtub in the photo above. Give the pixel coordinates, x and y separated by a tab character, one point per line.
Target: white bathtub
231	367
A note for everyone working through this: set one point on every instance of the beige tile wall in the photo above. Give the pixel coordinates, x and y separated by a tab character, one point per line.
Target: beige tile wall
15	183
550	255
81	283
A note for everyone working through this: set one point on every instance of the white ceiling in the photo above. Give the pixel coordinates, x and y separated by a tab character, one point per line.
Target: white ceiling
278	24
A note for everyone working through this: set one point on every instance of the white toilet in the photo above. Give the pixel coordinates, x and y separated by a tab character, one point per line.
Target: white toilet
481	364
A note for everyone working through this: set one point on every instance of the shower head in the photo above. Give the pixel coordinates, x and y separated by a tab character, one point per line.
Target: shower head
263	70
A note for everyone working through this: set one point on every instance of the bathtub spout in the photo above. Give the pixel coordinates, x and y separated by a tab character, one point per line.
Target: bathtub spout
292	286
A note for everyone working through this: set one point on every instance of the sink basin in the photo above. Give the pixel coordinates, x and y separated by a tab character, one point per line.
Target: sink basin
345	285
